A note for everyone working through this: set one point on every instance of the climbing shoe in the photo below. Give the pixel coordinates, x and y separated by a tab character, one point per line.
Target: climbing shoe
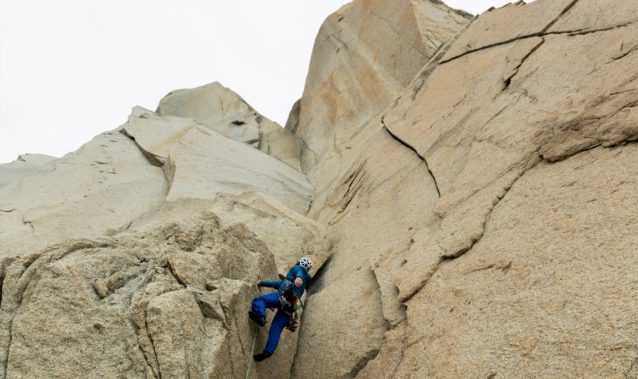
258	320
261	356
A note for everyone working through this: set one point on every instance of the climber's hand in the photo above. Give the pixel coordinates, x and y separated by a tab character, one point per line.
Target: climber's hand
298	282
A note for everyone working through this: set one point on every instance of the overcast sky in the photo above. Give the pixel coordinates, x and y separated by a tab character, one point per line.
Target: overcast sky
70	69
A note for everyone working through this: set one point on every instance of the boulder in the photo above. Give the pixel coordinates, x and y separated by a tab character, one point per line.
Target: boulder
220	109
123	306
200	163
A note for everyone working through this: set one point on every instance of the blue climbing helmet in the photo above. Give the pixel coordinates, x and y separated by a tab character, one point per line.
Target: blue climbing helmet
306	263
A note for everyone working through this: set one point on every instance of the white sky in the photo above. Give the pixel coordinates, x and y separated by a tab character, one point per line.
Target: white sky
71	69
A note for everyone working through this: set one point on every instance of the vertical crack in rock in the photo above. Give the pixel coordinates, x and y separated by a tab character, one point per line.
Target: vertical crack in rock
157	374
402	142
168	167
316	285
452	256
137	331
5	358
392	308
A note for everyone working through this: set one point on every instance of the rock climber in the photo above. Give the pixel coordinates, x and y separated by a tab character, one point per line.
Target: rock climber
299	274
287	301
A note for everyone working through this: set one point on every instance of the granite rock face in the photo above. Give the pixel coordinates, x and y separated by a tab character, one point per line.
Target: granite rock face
364	56
142	249
93	191
468	189
168	301
486	220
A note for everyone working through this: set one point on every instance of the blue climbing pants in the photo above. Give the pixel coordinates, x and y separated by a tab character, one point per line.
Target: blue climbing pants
271	300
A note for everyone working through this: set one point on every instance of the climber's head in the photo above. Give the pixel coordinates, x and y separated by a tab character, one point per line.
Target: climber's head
306	263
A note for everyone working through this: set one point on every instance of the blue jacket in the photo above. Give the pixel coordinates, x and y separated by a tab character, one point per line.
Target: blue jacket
294	273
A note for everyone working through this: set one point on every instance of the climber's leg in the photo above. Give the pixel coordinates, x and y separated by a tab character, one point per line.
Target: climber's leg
276	327
258	312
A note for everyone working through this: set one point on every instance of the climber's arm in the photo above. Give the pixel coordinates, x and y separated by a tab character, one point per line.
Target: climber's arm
270	283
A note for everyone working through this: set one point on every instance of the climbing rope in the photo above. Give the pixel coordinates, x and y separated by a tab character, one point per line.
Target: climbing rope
250	358
252	349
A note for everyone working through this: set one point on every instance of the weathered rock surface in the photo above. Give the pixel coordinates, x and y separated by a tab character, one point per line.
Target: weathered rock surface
92	191
549	289
177	224
200	163
364	56
168	301
506	101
